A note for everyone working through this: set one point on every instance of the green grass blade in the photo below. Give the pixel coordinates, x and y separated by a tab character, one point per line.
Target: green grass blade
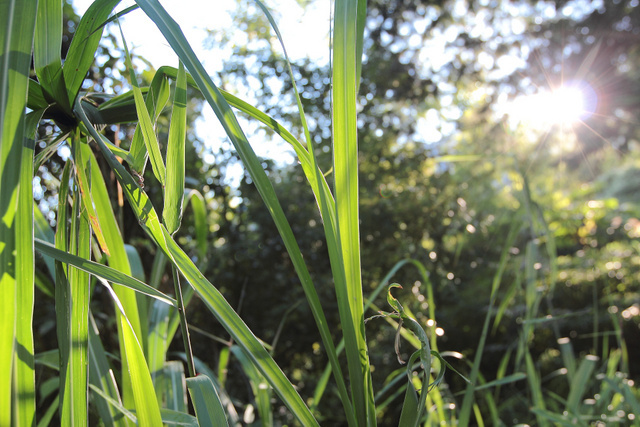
23	358
101	377
46	53
102	271
345	164
83	171
206	402
327	212
199	207
17	21
147	409
174	190
84	44
144	121
155	100
72	302
118	260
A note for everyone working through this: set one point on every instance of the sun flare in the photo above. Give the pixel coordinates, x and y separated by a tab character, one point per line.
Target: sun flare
565	105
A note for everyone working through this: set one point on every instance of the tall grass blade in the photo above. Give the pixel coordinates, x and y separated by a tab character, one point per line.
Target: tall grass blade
155	100
25	378
83	171
199	207
146	403
118	260
46	53
174	190
345	165
327	211
144	121
206	402
17	22
75	404
84	44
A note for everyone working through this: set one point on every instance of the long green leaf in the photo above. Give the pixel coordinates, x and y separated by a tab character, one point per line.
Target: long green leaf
25	377
345	164
155	100
118	260
17	22
144	121
75	404
147	409
206	402
102	271
83	171
199	207
46	53
174	190
84	44
327	212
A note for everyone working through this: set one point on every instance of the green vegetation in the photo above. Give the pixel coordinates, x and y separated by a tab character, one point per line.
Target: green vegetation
516	247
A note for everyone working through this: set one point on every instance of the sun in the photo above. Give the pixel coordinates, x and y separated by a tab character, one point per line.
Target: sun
565	106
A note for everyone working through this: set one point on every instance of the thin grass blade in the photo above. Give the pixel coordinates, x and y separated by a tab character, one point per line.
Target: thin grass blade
17	22
46	53
23	358
107	273
118	260
199	207
84	44
144	121
155	100
345	165
75	403
174	190
147	408
83	171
